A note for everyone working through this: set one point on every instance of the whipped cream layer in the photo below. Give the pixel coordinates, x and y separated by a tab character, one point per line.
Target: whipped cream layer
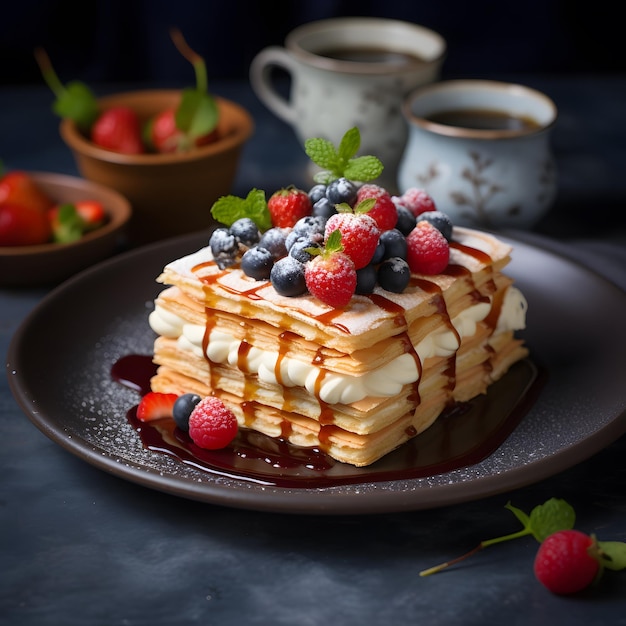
335	388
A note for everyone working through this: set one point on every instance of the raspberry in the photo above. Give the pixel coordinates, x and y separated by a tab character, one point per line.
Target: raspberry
384	211
566	563
212	425
359	235
428	251
417	201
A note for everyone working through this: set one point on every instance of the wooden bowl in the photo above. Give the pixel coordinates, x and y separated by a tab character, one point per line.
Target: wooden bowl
171	194
51	263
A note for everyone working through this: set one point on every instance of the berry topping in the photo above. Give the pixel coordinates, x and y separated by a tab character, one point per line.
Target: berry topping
212	425
359	233
301	249
274	241
324	208
567	561
224	247
440	221
317	192
394	274
406	220
341	190
245	231
366	279
257	263
384	210
417	201
287	277
331	275
428	250
287	206
182	409
393	243
155	405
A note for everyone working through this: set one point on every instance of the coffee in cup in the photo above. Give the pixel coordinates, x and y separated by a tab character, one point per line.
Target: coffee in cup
347	72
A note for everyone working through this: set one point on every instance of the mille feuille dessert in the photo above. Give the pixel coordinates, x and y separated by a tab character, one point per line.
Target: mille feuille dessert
351	357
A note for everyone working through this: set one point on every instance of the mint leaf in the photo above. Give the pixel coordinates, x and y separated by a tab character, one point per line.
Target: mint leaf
228	209
337	163
614	554
550	517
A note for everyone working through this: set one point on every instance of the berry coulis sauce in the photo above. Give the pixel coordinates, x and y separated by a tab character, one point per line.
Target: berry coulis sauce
463	435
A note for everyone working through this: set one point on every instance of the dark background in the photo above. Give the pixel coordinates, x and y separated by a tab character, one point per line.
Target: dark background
128	40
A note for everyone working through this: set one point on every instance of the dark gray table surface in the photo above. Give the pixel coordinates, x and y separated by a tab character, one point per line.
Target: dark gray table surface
81	547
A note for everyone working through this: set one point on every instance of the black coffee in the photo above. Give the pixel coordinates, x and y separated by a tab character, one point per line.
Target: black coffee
371	55
478	119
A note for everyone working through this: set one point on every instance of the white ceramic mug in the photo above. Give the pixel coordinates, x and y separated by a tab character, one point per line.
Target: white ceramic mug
479	176
347	72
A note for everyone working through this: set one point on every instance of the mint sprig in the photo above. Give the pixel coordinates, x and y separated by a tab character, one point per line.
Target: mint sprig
342	162
228	209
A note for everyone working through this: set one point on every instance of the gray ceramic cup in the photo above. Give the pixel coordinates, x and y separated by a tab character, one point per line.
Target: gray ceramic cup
347	72
481	149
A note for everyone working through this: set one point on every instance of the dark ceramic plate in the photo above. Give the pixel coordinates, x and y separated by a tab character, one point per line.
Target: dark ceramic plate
60	359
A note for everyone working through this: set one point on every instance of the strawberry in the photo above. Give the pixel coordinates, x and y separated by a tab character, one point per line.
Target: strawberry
288	205
155	405
92	213
212	425
118	129
23	225
384	210
331	275
359	232
19	188
164	135
428	251
567	561
417	201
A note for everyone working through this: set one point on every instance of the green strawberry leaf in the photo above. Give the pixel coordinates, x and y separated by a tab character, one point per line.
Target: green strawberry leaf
74	101
228	209
614	554
336	163
197	113
333	243
69	225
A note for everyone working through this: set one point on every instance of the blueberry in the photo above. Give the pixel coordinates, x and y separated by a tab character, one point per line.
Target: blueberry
310	227
245	231
323	208
366	279
394	242
406	220
182	409
274	241
439	220
298	249
287	277
316	192
257	263
379	253
224	247
341	190
394	274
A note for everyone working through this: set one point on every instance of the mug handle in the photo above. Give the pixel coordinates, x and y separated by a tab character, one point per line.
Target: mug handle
261	80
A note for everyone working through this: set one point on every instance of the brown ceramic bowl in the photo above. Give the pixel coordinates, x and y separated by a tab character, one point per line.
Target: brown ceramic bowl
51	263
171	194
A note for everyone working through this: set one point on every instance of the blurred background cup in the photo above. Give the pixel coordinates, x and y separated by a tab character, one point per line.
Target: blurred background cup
481	149
346	72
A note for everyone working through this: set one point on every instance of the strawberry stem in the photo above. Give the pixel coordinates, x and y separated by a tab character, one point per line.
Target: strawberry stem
478	548
202	83
48	73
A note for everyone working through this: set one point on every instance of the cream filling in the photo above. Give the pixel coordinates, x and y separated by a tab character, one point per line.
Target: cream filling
334	388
